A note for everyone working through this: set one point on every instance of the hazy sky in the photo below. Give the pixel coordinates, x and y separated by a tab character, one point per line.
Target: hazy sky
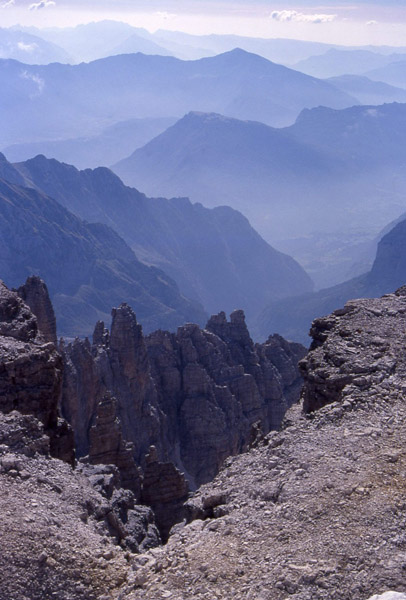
340	21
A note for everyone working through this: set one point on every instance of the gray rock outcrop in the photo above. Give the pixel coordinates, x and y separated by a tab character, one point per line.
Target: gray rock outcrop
354	350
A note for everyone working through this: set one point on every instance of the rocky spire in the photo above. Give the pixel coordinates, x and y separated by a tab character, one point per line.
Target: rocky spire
35	294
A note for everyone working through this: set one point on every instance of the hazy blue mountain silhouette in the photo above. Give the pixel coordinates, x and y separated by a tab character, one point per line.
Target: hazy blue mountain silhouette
97	40
393	74
368	91
214	255
29	48
293	317
333	174
88	267
337	62
89	41
281	50
136	43
59	101
111	145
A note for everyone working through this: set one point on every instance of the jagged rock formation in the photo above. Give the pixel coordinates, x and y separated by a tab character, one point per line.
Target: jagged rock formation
316	511
64	532
31	371
198	395
115	364
214	385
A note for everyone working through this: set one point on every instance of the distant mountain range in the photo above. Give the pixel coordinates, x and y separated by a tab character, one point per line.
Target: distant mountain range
337	62
333	174
105	38
59	101
367	91
293	317
214	255
29	48
92	41
88	267
109	146
392	74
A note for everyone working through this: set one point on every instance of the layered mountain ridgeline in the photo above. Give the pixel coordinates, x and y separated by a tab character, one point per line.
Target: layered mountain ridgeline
107	147
331	179
392	74
215	256
105	38
317	510
64	101
336	62
99	39
87	266
368	91
292	317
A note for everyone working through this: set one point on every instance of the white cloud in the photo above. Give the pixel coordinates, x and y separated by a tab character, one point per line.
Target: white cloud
7	4
285	16
165	15
41	4
370	23
40	83
27	47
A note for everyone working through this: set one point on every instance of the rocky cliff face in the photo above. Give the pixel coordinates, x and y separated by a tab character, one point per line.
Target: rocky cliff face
314	511
198	396
31	368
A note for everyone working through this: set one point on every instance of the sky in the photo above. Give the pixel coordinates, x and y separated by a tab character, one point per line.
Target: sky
339	21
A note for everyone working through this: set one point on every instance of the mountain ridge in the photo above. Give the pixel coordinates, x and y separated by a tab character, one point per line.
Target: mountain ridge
237	268
100	93
334	175
88	266
293	317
